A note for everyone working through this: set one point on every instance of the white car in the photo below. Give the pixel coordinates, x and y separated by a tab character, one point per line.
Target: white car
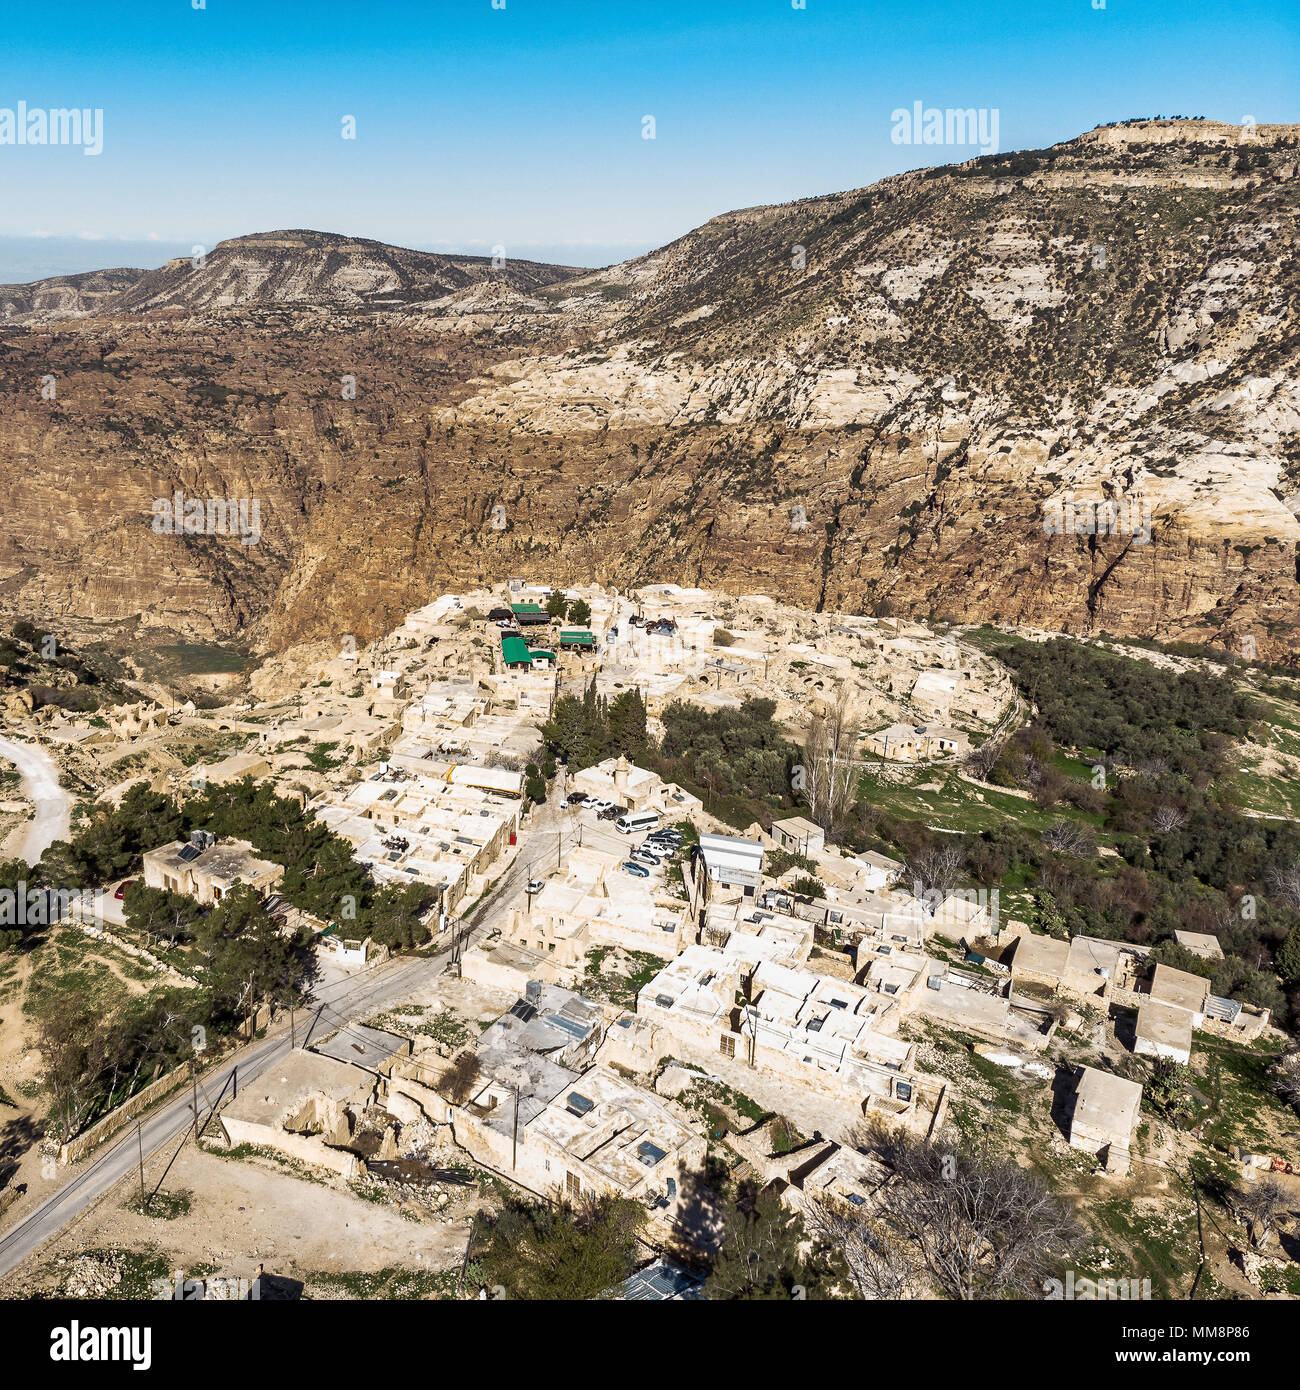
535	885
597	805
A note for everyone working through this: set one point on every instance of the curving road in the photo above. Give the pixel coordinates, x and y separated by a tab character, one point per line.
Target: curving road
337	1005
40	774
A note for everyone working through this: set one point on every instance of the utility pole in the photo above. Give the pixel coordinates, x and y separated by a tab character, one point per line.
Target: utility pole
194	1097
139	1139
514	1141
293	1041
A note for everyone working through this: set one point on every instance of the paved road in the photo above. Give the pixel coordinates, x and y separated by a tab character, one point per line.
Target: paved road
337	1006
40	776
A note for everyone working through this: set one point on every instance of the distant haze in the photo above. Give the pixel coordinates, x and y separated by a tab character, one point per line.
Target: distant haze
25	258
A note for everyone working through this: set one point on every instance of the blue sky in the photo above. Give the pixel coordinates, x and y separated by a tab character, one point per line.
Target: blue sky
523	126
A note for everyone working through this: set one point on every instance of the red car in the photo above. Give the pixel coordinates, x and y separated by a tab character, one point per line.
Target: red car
122	887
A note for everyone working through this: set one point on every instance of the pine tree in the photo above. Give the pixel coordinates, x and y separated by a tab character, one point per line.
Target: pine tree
1288	958
761	1257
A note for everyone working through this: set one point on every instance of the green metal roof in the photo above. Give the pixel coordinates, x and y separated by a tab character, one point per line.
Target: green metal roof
514	649
577	634
541	651
525	608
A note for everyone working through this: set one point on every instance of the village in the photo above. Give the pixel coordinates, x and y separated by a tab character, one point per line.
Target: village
619	987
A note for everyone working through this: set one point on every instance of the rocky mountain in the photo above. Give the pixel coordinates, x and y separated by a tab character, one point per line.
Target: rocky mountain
65	296
869	401
294	267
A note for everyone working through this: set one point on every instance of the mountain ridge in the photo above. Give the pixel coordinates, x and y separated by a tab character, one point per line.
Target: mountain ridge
292	265
918	371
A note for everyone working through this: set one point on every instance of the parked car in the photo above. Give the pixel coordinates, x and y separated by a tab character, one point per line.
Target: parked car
639	870
122	887
597	804
643	856
535	885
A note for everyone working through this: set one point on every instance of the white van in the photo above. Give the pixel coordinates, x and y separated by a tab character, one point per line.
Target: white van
637	821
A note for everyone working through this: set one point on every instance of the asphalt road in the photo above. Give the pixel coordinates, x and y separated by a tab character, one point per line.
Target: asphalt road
348	1001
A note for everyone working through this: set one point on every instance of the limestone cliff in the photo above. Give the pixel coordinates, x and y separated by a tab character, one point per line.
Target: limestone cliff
864	401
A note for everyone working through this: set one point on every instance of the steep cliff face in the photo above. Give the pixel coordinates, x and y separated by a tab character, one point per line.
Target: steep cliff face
868	401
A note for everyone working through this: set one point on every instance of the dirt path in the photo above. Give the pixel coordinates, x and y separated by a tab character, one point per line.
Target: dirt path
40	776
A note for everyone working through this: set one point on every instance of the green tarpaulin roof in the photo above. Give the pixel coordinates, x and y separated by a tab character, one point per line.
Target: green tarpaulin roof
514	649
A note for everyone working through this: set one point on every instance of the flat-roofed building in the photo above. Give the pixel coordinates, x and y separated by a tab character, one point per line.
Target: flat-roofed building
879	871
1202	944
233	769
798	835
604	1136
753	933
833	1036
732	862
1103	1116
1180	990
637	788
595	905
307	1106
843	1180
1040	960
207	868
1163	1030
410	826
557	1122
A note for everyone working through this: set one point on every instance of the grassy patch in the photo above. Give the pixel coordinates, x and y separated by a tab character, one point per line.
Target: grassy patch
162	1206
1244	1109
1156	1243
389	1283
619	986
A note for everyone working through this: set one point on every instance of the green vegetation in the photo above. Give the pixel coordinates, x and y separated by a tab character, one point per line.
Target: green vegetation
404	1285
619	987
1131	710
1117	821
162	1206
99	1044
766	1254
202	659
533	1251
738	760
53	672
582	732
